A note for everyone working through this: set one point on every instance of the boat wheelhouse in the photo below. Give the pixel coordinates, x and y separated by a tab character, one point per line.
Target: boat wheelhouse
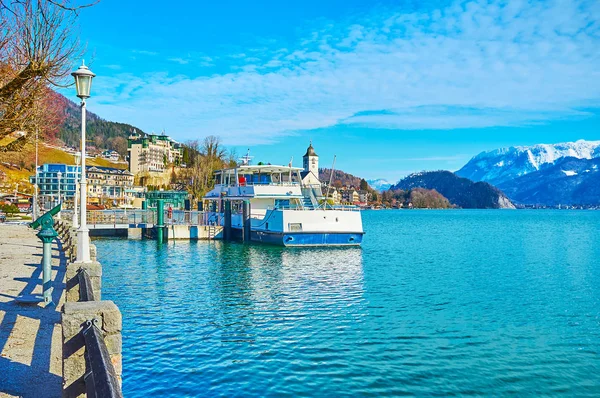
270	204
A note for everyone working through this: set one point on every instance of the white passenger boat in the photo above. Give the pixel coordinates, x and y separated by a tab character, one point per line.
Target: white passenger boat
281	209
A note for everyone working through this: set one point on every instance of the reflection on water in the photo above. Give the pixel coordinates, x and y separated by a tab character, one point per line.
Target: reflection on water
215	315
257	288
449	302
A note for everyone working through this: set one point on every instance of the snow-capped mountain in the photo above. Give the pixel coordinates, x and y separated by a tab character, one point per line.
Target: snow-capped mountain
504	164
380	184
570	181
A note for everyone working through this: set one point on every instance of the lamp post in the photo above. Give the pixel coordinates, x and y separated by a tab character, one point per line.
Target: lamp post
83	82
75	216
35	193
59	176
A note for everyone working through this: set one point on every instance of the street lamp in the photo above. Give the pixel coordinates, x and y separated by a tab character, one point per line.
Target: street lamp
75	216
37	175
59	175
83	82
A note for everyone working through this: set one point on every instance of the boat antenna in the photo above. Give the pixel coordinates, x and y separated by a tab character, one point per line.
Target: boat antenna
329	184
246	159
291	161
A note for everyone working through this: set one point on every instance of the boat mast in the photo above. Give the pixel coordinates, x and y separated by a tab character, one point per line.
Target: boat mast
329	184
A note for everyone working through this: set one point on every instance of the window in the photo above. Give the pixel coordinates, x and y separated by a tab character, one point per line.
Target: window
282	203
295	227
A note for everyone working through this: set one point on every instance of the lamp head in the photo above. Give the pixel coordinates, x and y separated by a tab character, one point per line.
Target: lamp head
83	81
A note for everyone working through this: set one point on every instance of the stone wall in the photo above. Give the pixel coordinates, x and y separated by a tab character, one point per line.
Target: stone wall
75	313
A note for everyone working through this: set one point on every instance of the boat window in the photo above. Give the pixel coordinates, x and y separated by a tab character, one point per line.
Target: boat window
282	203
295	227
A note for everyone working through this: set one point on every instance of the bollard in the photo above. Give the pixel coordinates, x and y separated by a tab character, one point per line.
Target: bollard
160	221
246	221
227	226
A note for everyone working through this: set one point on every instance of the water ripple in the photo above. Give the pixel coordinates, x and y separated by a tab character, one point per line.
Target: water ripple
435	303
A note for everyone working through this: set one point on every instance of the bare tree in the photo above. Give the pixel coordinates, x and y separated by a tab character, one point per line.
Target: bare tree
37	51
203	158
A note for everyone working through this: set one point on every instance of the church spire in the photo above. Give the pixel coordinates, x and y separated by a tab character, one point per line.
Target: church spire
310	151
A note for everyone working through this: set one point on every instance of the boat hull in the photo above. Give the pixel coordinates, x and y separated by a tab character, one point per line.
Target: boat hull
306	239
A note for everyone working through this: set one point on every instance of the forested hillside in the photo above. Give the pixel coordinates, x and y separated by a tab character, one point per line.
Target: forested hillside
101	133
461	192
341	179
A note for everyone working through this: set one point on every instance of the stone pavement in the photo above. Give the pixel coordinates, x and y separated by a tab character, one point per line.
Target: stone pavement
30	335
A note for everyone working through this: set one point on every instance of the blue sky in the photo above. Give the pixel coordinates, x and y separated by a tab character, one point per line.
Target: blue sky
390	87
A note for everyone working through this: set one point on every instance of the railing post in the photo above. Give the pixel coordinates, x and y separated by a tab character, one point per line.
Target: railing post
101	379
94	271
74	317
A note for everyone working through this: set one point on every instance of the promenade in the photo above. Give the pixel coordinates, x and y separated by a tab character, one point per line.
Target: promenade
30	335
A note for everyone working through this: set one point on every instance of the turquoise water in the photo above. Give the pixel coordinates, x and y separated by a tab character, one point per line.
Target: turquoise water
434	303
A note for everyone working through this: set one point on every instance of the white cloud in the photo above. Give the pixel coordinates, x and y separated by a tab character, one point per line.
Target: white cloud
472	64
145	52
180	61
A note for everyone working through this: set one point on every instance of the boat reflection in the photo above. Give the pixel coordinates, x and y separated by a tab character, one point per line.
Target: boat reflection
259	289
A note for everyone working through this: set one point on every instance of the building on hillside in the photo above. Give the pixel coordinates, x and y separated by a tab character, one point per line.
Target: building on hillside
108	185
333	195
152	152
173	199
350	196
310	174
364	196
113	156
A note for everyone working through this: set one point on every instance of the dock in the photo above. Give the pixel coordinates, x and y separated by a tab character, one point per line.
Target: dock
144	223
30	335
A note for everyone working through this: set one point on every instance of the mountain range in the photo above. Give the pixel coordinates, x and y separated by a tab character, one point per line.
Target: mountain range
544	174
380	184
568	181
504	164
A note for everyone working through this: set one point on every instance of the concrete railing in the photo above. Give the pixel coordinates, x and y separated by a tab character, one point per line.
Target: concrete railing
92	342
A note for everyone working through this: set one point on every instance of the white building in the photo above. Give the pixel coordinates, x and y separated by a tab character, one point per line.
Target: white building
152	153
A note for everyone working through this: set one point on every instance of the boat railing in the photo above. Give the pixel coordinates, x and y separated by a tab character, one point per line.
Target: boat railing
257	183
321	207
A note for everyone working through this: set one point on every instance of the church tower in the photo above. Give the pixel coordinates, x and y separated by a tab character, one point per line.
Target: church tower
311	160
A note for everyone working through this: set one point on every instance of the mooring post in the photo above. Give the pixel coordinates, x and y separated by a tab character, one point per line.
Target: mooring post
246	221
160	221
227	226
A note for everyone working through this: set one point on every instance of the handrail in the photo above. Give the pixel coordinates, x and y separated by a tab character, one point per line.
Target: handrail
251	184
86	291
100	379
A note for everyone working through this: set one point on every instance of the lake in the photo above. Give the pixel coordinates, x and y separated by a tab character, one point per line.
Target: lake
473	302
